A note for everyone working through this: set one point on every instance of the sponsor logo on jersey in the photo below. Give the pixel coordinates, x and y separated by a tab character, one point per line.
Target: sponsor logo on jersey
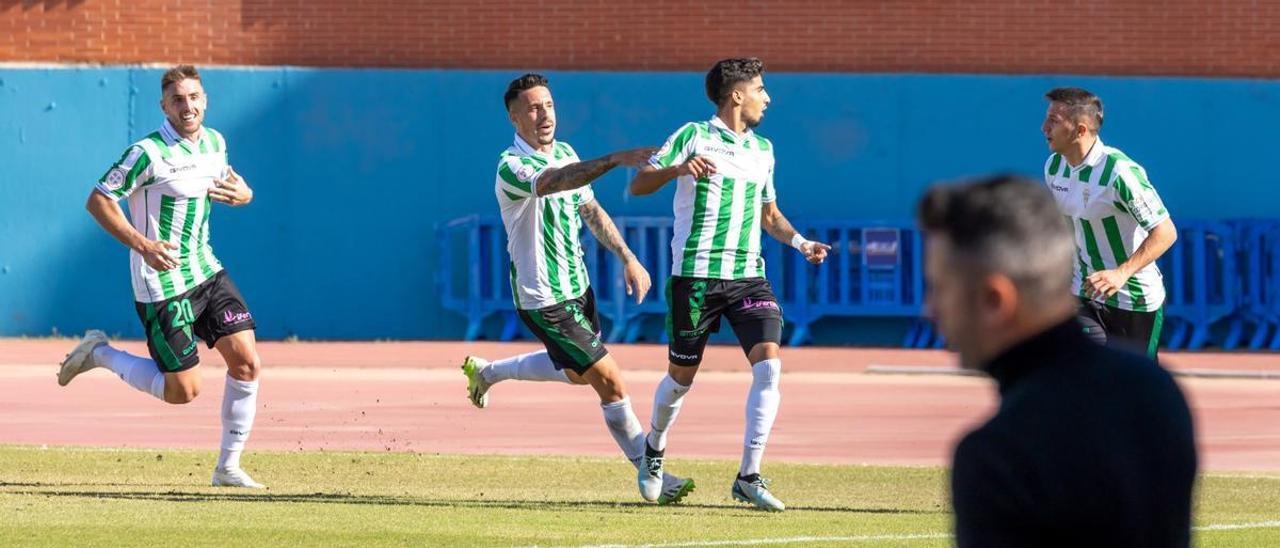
1059	188
180	169
715	149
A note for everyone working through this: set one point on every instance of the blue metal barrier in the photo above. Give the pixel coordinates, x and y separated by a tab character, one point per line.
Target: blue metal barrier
485	287
1257	247
1201	282
873	271
1215	271
649	238
1267	291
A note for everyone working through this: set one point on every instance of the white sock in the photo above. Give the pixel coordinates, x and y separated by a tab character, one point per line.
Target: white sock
239	406
138	372
762	408
625	428
534	366
667	399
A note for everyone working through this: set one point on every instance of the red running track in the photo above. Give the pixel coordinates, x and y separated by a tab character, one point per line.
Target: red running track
411	397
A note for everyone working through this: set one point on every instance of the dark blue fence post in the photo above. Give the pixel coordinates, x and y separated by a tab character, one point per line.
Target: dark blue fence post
1201	281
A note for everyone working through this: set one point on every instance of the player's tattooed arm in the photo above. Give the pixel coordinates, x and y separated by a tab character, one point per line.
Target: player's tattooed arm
580	174
601	225
634	276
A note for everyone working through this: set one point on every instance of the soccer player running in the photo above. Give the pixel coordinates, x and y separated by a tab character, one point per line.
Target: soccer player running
544	192
1121	227
171	178
724	195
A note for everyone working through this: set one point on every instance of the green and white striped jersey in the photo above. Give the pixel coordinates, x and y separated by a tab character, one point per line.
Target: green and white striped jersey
166	180
717	218
1111	206
542	231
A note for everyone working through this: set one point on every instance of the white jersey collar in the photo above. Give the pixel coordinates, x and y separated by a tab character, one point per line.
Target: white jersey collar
525	148
718	123
1093	158
171	134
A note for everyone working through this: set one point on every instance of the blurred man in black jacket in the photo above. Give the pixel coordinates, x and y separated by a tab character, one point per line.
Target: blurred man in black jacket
1091	446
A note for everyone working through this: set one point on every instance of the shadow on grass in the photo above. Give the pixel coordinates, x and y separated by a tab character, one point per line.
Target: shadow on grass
385	500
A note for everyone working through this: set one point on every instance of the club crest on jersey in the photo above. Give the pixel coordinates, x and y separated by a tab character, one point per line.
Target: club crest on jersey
1085	193
115	179
524	173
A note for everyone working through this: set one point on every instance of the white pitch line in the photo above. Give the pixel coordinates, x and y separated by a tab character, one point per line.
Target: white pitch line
1234	526
872	538
784	540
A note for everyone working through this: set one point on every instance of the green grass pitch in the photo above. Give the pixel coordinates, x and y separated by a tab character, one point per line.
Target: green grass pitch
105	497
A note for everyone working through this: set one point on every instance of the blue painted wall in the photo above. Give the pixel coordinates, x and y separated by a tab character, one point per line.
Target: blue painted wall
352	168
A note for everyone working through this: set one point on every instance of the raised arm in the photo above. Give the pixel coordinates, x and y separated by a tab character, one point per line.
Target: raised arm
601	225
650	178
580	174
777	225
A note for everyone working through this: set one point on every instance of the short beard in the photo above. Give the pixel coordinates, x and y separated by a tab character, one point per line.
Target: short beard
181	126
751	124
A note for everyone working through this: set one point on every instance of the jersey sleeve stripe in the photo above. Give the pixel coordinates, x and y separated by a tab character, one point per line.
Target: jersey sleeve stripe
676	152
509	177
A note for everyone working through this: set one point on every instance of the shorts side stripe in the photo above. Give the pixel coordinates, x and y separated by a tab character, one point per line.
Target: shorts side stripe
169	360
565	343
1154	343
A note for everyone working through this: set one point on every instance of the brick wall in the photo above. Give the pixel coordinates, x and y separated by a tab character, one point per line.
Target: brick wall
1139	37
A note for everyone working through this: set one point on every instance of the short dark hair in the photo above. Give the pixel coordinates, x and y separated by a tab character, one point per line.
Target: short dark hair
178	74
527	81
1081	104
1007	224
727	73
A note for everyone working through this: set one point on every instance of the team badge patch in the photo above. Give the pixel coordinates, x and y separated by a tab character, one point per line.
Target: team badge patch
664	151
114	179
524	173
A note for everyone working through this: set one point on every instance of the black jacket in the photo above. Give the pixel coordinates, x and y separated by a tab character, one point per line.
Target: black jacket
1090	447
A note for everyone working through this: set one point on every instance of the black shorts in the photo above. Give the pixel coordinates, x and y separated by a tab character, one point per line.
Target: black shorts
694	307
210	311
1134	331
570	330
